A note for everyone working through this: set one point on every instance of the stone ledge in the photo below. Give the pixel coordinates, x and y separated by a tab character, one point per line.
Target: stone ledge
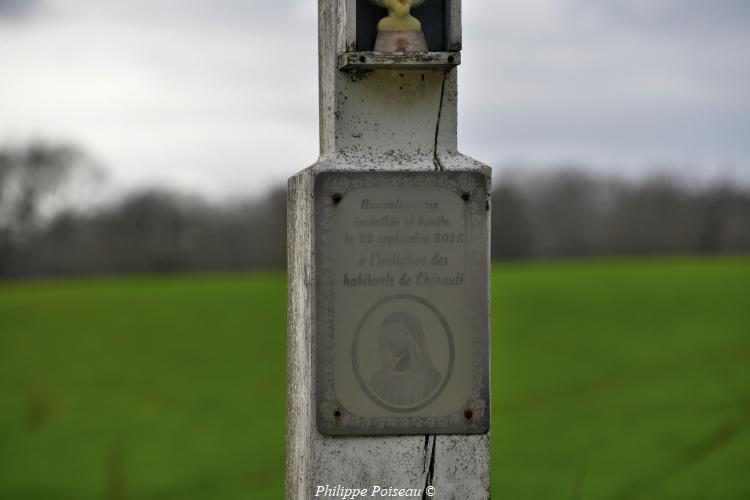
399	60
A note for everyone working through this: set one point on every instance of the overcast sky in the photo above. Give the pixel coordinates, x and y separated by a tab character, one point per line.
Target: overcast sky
220	96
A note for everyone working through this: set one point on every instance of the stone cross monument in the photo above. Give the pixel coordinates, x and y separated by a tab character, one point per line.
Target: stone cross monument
388	261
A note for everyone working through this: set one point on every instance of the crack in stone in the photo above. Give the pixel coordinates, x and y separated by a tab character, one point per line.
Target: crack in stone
438	165
430	468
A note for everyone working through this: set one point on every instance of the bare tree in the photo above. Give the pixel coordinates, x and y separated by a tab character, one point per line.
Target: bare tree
31	176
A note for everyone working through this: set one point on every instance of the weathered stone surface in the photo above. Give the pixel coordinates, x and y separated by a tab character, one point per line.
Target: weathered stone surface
352	61
382	120
457	466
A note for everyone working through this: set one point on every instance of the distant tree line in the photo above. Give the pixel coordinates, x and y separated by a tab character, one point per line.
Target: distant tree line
570	213
566	213
148	231
158	231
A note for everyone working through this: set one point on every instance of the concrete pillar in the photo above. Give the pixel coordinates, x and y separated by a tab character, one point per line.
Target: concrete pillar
378	113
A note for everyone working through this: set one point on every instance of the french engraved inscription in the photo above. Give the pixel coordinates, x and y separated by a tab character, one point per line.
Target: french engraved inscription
401	303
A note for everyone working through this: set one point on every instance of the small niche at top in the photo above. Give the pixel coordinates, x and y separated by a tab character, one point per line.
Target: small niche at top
433	14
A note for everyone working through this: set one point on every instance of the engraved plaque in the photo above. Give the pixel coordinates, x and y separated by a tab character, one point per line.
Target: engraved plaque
401	318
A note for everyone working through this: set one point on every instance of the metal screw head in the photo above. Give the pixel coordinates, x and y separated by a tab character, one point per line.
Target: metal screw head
468	414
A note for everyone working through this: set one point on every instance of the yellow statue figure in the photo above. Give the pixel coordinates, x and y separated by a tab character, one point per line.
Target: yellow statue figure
400	31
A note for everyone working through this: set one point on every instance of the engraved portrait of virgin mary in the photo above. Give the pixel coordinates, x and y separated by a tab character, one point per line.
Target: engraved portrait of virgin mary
406	375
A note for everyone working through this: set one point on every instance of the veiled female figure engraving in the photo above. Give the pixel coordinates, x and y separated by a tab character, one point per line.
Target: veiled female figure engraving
406	376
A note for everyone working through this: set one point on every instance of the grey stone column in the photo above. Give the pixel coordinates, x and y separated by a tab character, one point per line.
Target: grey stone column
384	119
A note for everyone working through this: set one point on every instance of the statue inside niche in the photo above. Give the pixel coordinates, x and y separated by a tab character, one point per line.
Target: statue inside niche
399	31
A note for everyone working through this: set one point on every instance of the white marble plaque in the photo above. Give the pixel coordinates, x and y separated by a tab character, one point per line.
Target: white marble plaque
401	304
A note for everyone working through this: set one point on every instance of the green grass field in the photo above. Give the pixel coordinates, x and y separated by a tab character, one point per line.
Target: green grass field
611	380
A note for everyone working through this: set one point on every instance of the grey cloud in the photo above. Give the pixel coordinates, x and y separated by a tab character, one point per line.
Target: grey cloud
611	82
608	80
697	17
227	13
17	9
